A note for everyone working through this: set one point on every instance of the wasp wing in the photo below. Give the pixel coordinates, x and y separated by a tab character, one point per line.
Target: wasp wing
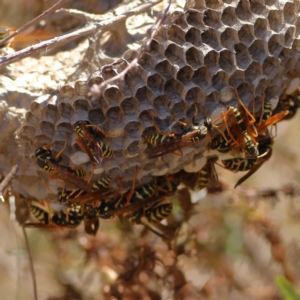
175	144
92	196
69	177
255	167
271	121
89	144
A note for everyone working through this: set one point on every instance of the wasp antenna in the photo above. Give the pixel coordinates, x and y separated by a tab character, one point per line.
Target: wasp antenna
227	128
262	108
253	106
91	175
47	187
178	121
157	128
196	111
244	107
120	184
41	139
106	119
128	197
64	147
222	133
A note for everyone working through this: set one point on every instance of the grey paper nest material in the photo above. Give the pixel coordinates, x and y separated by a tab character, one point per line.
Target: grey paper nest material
200	54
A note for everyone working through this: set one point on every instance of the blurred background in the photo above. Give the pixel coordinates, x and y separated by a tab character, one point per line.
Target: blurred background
229	245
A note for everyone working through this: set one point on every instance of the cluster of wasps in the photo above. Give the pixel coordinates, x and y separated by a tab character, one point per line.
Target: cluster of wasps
90	201
245	137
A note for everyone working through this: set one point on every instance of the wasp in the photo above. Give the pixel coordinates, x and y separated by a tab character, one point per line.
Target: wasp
157	139
91	224
44	155
100	190
267	119
58	219
64	196
159	213
239	164
242	139
291	103
95	148
141	199
239	125
71	219
143	192
221	144
139	195
158	191
67	175
153	214
265	153
165	186
261	128
208	174
48	162
266	111
103	210
164	144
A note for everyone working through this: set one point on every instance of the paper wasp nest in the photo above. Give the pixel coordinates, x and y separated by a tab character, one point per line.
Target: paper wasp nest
199	55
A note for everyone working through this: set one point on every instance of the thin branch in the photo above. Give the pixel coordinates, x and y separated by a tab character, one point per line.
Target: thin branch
115	11
35	20
7	180
145	47
86	16
92	29
30	263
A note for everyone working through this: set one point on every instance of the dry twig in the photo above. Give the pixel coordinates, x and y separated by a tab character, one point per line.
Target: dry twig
7	180
30	264
91	29
35	20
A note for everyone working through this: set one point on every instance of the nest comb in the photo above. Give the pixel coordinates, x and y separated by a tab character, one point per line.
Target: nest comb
199	55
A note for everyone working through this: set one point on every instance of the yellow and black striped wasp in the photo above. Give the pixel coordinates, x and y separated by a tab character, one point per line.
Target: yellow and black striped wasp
268	118
100	190
57	219
82	203
87	140
251	164
48	162
139	195
222	143
163	143
61	219
208	175
291	103
142	206
158	213
142	199
239	125
44	155
239	164
265	153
